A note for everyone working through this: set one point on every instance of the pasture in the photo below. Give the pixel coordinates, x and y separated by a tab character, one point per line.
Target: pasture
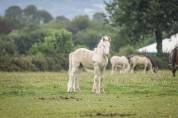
43	95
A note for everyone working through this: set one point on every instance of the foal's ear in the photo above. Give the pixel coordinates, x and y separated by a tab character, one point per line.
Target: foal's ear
109	39
103	38
106	38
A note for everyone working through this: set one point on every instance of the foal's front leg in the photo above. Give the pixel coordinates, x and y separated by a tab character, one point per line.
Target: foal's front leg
97	79
94	83
100	80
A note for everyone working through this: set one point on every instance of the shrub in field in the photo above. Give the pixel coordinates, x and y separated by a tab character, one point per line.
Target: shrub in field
126	50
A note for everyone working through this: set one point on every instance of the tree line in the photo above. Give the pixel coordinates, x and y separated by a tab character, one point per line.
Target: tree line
34	40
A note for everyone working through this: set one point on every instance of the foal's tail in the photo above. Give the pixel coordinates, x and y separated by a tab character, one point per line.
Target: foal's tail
154	65
70	62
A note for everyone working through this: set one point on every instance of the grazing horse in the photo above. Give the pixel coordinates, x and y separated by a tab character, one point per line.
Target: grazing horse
120	61
135	60
173	60
95	60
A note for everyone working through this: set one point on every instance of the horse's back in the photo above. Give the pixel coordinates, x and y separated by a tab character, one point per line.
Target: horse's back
119	59
139	59
114	59
82	56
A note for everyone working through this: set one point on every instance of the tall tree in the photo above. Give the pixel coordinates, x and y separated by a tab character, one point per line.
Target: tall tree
99	17
63	20
142	17
44	16
13	16
4	28
79	23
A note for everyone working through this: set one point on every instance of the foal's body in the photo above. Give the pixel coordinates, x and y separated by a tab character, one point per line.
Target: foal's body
141	60
120	61
95	60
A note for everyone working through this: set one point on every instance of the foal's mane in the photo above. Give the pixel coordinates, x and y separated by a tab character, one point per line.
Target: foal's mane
99	44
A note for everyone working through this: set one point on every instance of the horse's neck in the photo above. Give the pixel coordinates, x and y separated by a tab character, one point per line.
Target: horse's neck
99	56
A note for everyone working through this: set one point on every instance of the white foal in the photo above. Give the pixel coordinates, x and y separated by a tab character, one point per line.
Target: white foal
95	60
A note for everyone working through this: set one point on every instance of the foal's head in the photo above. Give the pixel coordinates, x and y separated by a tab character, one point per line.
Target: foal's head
104	45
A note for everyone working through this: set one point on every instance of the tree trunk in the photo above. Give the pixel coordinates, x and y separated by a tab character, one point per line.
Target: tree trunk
158	35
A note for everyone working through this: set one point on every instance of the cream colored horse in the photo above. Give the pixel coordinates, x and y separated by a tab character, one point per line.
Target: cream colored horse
120	61
93	60
142	60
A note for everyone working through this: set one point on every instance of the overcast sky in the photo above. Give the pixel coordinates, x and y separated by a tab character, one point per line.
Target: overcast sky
68	8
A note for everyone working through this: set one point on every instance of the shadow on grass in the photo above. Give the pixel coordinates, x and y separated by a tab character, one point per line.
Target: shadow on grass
60	98
102	114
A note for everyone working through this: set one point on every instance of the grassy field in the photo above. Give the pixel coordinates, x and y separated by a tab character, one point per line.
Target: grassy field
43	95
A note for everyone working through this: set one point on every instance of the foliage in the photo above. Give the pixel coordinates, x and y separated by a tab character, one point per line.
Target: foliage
138	18
31	36
79	23
126	50
55	42
87	37
100	17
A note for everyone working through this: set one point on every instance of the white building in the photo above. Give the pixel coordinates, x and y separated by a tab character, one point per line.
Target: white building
168	45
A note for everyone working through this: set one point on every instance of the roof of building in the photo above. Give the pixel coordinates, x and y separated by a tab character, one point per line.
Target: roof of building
168	45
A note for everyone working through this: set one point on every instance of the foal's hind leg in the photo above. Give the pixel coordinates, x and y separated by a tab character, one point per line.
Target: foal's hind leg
70	82
73	83
145	67
112	71
132	68
76	86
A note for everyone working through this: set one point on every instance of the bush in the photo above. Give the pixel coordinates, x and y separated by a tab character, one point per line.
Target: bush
127	50
16	64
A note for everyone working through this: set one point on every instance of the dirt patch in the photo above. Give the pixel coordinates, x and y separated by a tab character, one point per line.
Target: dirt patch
112	114
60	98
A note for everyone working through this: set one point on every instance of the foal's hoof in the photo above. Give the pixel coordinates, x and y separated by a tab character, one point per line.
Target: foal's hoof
98	92
93	91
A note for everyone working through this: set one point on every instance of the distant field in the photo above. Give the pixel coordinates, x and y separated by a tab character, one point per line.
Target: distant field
43	95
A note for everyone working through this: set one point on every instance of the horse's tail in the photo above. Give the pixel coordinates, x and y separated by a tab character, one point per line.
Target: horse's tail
70	62
154	65
129	58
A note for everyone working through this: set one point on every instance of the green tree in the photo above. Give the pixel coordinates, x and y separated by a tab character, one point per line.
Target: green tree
56	42
142	17
79	23
44	16
13	16
4	26
33	16
7	47
87	37
99	17
63	20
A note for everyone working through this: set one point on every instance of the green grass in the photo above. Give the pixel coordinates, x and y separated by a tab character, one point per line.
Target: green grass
43	95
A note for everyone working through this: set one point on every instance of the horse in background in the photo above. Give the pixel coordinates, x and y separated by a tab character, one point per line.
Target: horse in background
173	60
95	60
120	62
148	63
